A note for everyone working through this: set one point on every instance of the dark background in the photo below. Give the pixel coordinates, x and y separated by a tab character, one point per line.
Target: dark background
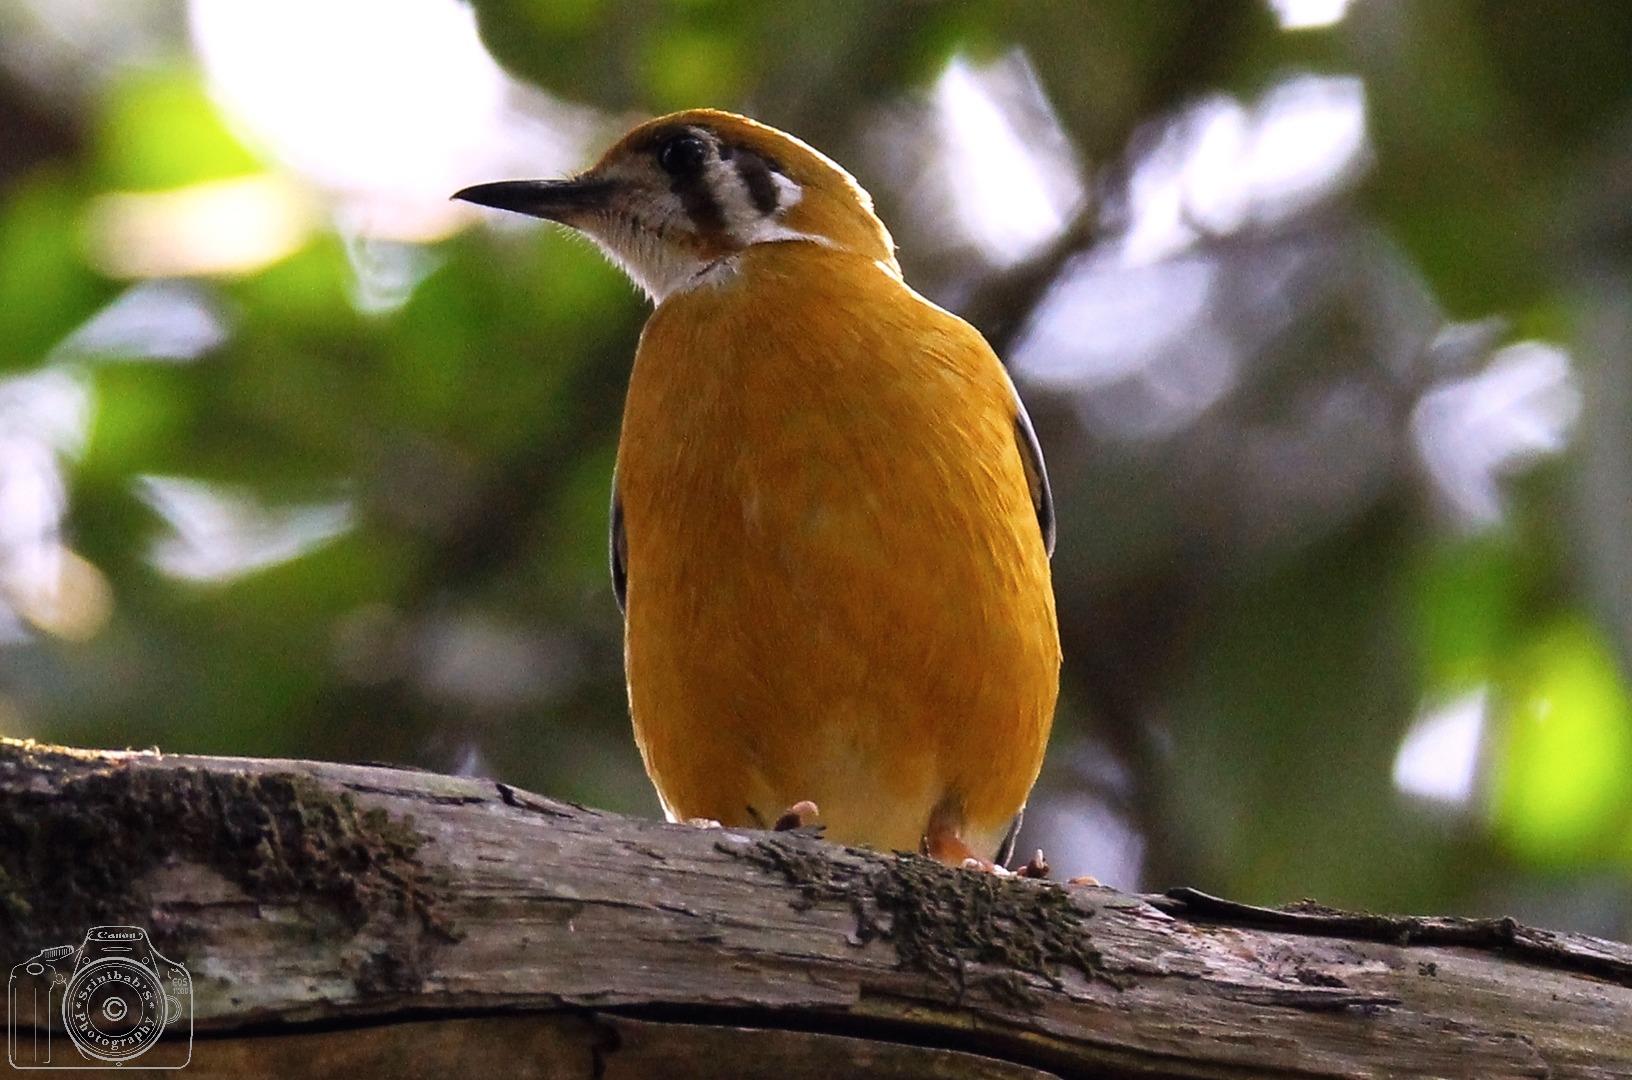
1323	312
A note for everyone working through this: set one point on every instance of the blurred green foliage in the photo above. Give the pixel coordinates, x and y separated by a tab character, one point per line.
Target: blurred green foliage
1244	670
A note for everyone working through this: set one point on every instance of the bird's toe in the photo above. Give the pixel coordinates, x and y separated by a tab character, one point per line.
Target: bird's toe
801	815
1035	867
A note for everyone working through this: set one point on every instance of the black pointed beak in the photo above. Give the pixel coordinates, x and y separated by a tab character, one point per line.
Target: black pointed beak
557	200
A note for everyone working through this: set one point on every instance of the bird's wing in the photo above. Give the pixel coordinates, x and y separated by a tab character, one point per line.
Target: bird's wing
618	548
1031	456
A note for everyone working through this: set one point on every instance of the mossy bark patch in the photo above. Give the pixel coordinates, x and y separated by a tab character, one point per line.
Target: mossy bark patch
977	930
74	850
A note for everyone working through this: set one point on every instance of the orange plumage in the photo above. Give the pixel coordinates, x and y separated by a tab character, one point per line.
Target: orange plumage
831	514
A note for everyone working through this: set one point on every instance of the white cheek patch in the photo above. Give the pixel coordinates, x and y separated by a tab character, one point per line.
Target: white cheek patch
788	193
748	223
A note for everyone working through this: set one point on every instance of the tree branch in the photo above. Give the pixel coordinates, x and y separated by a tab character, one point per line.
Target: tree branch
344	920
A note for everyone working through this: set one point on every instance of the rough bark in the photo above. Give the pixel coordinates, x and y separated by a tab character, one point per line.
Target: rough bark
344	920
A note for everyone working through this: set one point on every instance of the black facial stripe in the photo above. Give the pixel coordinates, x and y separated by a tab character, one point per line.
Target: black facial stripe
696	197
699	202
756	177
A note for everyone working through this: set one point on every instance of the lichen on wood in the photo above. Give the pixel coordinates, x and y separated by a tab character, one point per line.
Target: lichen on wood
946	922
71	856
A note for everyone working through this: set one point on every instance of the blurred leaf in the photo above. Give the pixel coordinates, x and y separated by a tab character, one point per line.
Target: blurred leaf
45	288
1468	607
160	130
693	66
141	411
1489	88
1560	791
308	292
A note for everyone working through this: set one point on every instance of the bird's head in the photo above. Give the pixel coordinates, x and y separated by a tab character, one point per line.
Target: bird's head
676	200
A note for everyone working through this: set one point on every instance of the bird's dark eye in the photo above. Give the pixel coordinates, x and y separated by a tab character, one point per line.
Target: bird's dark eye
682	154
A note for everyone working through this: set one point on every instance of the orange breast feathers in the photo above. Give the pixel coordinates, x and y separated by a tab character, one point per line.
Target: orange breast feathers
838	589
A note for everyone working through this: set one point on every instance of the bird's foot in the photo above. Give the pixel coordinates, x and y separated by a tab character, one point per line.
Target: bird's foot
801	815
945	846
943	842
948	848
703	823
1036	867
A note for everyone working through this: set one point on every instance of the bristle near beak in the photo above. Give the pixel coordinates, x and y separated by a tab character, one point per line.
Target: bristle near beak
556	200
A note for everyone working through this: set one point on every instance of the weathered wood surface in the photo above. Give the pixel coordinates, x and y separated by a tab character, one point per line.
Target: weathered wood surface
356	921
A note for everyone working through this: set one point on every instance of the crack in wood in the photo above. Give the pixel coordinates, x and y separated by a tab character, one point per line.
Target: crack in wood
1572	952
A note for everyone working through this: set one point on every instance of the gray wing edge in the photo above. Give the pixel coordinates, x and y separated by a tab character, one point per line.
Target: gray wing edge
1005	850
1031	456
618	551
